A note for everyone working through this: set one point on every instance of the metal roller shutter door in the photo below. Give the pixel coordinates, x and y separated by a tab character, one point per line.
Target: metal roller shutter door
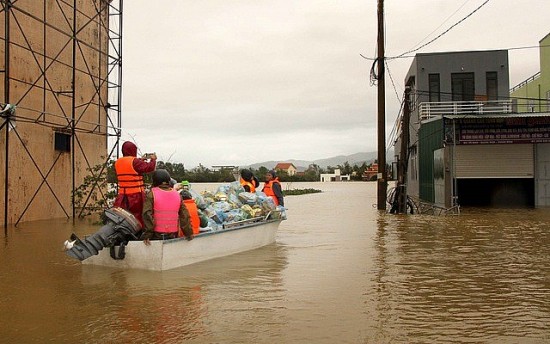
494	161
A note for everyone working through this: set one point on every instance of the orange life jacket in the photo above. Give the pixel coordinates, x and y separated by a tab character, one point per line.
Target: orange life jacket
268	189
194	213
129	181
250	185
166	206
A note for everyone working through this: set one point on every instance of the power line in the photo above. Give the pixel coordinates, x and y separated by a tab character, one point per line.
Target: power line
441	34
393	83
437	28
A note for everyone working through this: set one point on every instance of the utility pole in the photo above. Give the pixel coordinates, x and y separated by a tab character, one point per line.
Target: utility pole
403	156
382	182
6	125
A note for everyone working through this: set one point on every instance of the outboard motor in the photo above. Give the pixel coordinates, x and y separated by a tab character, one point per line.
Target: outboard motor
120	226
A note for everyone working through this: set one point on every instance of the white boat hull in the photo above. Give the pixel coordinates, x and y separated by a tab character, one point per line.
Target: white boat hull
170	254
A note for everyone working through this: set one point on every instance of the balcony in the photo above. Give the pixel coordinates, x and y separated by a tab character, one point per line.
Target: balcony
434	109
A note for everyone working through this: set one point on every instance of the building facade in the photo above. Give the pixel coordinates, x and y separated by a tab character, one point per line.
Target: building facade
59	63
533	94
334	177
287	167
468	144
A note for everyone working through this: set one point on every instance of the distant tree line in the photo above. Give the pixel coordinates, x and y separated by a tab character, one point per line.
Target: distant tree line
202	174
311	174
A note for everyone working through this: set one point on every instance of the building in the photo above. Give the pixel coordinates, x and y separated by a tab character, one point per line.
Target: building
370	173
287	167
61	69
334	177
533	94
468	145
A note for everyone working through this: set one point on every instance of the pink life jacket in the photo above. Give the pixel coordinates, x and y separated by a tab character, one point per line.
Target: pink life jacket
166	206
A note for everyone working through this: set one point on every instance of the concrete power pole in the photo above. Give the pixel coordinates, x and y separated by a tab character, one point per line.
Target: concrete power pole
382	175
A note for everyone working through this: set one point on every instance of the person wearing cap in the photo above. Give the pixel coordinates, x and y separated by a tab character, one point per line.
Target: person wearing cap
249	181
185	185
130	170
272	188
164	212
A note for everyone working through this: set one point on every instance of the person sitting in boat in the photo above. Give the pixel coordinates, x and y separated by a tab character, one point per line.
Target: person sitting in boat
173	184
164	212
198	220
249	181
130	170
272	188
184	185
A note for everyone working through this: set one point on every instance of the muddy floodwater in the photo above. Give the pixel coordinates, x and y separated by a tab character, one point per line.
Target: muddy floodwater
339	272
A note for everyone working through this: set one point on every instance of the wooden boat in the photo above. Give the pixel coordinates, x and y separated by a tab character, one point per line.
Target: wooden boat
169	254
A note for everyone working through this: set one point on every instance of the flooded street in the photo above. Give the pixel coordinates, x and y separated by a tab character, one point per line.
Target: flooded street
339	272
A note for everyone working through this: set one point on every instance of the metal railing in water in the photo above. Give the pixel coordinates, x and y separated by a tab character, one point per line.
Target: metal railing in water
431	109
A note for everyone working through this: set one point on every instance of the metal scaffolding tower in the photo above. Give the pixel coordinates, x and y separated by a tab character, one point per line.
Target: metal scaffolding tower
61	73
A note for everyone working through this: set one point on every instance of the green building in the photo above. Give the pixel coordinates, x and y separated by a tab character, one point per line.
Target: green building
533	94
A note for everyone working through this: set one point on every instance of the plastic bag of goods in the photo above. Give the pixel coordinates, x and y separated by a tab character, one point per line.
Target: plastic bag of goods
248	198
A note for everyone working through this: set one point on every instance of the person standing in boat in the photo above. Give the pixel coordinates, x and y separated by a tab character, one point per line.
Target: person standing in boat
164	212
130	170
249	181
273	189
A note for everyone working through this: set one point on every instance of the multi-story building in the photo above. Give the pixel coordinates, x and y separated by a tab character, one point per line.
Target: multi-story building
467	144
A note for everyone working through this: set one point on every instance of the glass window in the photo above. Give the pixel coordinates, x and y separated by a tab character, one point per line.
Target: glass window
492	85
434	87
462	86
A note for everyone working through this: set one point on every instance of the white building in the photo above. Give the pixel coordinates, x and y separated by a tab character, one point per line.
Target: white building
335	177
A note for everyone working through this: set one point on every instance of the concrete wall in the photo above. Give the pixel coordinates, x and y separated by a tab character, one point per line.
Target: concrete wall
445	64
40	62
542	175
536	88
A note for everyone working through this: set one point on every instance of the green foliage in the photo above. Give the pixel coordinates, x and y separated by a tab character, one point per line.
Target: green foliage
94	194
300	191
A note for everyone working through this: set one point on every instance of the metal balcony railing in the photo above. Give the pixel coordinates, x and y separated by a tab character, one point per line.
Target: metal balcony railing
525	82
432	109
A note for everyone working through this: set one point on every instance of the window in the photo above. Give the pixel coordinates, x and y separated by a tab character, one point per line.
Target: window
462	86
492	85
530	105
434	87
62	142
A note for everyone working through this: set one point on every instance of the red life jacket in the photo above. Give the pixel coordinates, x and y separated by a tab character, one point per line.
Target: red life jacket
268	189
129	181
250	185
194	213
166	206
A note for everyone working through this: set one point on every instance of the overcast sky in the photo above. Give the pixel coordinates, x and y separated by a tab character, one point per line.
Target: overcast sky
236	82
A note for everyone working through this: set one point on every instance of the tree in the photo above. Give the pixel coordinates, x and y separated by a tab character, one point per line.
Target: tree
94	194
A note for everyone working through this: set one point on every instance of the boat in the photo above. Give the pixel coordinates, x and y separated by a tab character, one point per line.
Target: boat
231	238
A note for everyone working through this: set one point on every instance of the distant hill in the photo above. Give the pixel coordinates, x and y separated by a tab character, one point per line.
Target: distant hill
301	165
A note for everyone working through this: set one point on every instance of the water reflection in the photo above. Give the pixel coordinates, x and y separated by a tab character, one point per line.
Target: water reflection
187	303
340	272
51	297
468	278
